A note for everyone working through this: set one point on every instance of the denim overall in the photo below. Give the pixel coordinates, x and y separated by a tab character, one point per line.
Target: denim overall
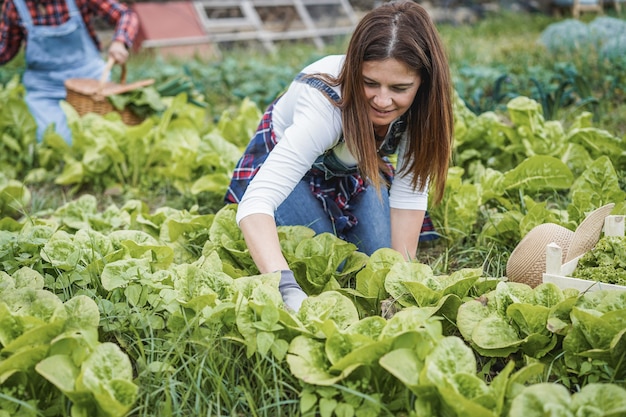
54	54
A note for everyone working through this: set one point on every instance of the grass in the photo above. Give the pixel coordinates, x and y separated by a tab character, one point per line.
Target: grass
209	375
496	40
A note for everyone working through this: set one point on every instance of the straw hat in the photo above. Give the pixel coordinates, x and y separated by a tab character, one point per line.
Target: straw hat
527	262
588	232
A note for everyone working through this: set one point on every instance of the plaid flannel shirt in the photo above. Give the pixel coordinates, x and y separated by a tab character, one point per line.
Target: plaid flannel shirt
55	12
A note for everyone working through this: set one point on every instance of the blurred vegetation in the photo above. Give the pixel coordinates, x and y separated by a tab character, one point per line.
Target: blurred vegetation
498	58
493	60
502	56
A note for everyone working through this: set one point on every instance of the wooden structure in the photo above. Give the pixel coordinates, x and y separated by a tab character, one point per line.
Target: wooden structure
195	24
172	28
270	21
577	7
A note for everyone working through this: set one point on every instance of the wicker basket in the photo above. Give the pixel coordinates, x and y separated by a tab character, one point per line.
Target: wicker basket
88	95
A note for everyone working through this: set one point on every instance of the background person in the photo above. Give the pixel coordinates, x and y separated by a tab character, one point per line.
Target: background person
319	156
61	43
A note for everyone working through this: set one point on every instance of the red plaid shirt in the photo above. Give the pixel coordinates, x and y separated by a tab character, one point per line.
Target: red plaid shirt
55	12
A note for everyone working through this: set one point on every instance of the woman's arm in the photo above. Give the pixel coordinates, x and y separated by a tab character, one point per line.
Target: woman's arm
261	237
302	142
408	208
406	226
314	128
119	14
11	35
262	240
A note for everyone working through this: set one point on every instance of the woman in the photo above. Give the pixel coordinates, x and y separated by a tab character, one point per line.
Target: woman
319	157
61	43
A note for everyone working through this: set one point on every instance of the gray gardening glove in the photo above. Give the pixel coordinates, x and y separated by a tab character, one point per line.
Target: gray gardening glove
290	290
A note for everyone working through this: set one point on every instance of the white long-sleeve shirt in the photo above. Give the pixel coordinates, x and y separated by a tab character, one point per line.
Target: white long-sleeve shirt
306	125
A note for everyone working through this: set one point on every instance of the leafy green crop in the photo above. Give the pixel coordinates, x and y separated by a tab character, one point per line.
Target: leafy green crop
150	100
606	262
17	131
44	337
138	297
551	399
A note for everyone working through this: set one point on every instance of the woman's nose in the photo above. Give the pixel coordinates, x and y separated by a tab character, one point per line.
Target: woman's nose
382	99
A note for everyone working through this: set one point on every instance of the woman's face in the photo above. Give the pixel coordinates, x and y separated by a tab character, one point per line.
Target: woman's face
390	87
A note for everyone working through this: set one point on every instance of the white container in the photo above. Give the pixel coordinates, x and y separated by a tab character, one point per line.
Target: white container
558	273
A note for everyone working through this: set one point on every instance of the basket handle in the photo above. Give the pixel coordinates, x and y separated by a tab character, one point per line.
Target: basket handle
107	71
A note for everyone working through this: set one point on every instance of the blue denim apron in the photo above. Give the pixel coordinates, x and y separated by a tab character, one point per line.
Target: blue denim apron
54	54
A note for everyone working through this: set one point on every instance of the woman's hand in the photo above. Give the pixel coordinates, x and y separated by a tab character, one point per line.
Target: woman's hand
260	233
292	294
118	52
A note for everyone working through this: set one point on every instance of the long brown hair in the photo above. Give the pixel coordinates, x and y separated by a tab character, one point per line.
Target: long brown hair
402	31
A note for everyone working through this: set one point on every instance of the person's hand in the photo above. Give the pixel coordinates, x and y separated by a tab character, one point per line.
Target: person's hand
292	294
118	52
